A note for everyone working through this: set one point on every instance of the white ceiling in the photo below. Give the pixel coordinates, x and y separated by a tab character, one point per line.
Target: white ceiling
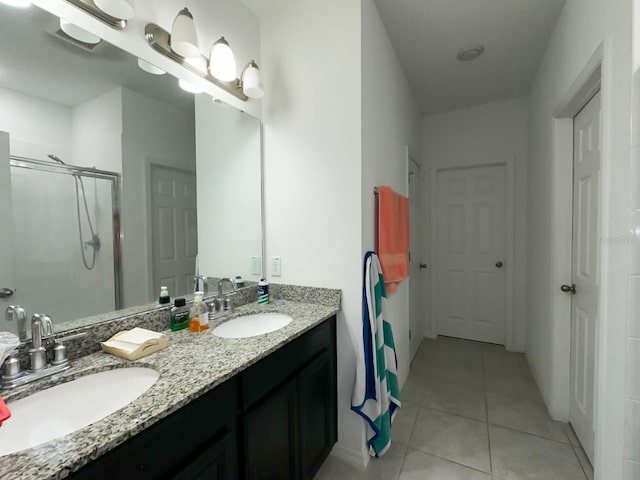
427	35
40	65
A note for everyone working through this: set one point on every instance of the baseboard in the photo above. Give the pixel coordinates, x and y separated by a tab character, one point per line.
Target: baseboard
357	460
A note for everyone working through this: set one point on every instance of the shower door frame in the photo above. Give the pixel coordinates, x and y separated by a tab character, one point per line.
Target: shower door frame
115	179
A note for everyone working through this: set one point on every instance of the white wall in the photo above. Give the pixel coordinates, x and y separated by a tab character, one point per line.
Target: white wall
214	18
228	158
96	138
312	154
632	389
36	127
390	123
156	133
581	28
483	135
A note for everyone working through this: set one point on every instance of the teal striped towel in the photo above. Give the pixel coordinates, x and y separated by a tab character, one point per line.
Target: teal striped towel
376	394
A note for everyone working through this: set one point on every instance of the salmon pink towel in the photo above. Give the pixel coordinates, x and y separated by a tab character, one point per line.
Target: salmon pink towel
393	237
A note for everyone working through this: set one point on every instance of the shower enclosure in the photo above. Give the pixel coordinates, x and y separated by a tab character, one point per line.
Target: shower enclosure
67	239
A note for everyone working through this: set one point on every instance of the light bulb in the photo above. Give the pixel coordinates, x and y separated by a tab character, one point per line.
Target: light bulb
150	68
17	3
189	87
222	63
184	37
251	85
78	33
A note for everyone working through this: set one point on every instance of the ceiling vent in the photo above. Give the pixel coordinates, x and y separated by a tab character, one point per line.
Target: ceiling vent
470	53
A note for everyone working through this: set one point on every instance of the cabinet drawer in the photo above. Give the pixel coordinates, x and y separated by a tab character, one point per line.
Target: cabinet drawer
273	370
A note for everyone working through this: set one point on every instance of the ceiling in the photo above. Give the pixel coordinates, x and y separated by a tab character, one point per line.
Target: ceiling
35	63
427	35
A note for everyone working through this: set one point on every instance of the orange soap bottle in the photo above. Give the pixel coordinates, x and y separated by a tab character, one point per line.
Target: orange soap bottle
198	315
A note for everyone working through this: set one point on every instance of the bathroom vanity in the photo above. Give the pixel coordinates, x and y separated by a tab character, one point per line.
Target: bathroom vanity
252	408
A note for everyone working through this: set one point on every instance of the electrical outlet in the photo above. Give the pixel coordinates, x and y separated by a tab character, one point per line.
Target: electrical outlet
256	265
276	266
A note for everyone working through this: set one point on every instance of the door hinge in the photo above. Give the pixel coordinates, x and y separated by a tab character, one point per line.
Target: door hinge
409	334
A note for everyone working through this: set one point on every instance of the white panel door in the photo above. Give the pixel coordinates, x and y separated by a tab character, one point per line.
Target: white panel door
415	277
7	277
174	229
586	254
471	238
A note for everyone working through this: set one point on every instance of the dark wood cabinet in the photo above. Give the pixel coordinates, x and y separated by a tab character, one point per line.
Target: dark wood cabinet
270	436
274	421
317	416
290	431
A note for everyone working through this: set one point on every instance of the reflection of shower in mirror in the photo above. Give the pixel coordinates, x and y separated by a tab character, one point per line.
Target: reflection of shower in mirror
94	243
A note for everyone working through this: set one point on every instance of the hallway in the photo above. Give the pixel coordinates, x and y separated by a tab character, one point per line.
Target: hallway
472	411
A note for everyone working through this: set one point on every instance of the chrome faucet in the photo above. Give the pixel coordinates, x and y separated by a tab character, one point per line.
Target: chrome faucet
41	324
19	315
221	304
41	331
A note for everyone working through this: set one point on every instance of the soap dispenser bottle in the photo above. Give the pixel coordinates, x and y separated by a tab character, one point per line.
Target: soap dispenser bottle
198	315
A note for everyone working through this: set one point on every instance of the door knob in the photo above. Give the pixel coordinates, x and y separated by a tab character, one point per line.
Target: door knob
423	265
499	264
5	292
569	288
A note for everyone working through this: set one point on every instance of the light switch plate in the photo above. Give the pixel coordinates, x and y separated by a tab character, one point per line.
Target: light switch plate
256	267
276	266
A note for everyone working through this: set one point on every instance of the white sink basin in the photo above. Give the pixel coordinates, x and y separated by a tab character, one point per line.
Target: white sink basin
252	325
65	408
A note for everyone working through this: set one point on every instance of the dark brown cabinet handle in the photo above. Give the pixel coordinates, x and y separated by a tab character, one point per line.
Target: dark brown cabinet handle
423	265
569	288
499	264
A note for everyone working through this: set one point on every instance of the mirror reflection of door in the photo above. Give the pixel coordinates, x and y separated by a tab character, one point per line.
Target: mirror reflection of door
174	229
7	279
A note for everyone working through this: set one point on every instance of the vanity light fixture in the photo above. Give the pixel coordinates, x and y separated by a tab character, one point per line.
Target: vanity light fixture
251	85
78	33
160	40
184	37
189	87
222	63
113	13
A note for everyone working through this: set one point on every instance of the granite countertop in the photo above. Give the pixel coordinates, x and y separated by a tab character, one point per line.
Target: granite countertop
193	364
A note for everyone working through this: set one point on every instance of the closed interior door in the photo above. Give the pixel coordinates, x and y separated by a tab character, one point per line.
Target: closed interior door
174	227
585	266
471	238
415	280
7	278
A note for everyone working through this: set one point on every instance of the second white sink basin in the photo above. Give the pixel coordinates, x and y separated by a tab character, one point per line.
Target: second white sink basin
65	408
252	325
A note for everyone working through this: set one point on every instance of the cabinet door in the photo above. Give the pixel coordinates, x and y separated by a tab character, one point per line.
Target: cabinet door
316	413
270	436
218	461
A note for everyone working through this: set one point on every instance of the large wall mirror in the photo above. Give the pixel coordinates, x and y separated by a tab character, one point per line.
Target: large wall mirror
114	181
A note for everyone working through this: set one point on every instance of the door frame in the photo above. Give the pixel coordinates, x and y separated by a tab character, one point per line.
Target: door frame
416	304
510	222
610	355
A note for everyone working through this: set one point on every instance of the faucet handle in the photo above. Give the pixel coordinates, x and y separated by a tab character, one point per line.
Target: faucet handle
18	314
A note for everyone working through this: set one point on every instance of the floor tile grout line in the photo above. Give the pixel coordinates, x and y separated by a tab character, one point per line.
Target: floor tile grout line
409	447
511	429
486	408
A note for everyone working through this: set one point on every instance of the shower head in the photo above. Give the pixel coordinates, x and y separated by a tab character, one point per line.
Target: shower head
55	159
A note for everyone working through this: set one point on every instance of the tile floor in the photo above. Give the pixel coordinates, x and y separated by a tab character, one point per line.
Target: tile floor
472	411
